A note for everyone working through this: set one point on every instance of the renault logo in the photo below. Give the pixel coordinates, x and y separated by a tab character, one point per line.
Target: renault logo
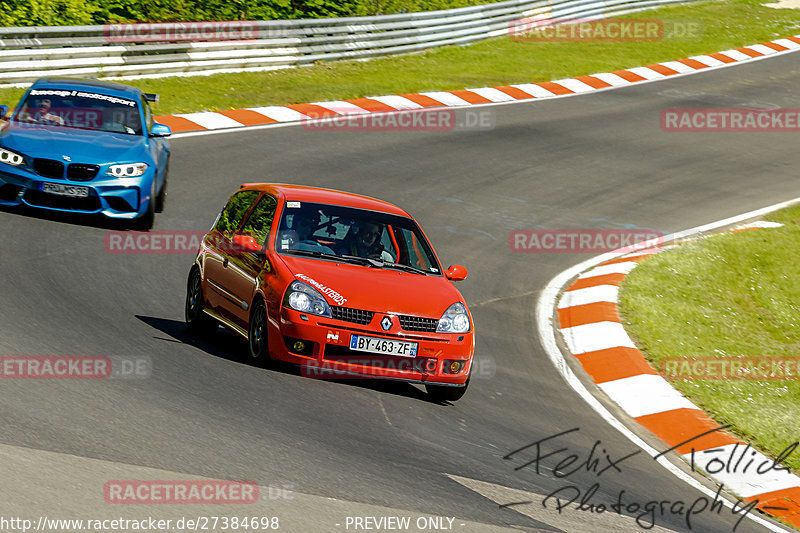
386	323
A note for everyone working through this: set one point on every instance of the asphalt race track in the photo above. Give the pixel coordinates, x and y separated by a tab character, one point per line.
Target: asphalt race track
594	161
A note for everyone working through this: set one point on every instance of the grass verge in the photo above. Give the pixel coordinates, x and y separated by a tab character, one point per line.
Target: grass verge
730	295
499	61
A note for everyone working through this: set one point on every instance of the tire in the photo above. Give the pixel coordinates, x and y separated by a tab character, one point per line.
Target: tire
161	199
197	321
257	334
442	393
145	222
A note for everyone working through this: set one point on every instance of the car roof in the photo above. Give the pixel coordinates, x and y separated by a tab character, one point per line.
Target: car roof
303	193
102	87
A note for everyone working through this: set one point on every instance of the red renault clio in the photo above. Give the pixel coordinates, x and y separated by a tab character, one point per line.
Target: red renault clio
342	284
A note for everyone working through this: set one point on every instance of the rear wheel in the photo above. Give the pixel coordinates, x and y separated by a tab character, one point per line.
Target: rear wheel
442	393
196	320
257	338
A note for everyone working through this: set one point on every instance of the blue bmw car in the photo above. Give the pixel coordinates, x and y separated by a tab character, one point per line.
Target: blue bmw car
85	146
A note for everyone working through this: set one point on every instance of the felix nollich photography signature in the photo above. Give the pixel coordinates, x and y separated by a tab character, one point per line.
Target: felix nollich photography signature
599	462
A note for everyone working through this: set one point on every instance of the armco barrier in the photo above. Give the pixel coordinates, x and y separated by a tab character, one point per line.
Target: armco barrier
124	52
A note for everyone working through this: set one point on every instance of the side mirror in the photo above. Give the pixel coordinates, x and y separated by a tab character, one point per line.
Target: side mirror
160	130
245	244
3	111
456	273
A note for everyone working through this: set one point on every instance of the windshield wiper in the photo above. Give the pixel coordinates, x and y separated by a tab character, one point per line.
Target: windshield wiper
323	255
405	268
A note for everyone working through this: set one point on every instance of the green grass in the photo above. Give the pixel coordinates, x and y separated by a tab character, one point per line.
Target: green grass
730	295
499	61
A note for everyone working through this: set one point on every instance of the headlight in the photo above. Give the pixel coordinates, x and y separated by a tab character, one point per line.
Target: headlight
11	158
130	170
454	320
306	299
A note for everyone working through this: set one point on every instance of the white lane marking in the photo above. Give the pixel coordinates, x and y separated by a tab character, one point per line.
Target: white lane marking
280	113
490	93
647	73
589	295
446	98
341	107
545	310
735	55
613	79
791	45
596	336
211	120
576	86
766	50
645	394
614	268
678	66
536	91
709	61
737	465
397	102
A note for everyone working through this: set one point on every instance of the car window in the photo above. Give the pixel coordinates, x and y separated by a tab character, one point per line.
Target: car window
416	254
260	220
234	212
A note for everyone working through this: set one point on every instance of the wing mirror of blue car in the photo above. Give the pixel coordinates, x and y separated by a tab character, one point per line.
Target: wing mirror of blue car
245	244
456	273
3	111
160	130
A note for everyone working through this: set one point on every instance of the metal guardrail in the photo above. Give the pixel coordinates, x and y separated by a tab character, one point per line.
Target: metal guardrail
165	49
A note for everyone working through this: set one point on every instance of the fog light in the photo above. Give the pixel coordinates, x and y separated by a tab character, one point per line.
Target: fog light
299	346
455	367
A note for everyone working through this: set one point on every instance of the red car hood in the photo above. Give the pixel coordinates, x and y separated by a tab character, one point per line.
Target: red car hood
376	289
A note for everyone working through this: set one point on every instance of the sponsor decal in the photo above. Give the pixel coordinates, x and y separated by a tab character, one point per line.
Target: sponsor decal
323	289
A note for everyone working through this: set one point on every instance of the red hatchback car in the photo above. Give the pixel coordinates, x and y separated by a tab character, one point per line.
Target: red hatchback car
342	284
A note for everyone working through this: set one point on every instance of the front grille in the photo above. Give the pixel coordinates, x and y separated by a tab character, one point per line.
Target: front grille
82	171
347	314
54	201
418	323
49	168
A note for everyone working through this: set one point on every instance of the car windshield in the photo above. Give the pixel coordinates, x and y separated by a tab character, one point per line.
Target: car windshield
80	109
365	237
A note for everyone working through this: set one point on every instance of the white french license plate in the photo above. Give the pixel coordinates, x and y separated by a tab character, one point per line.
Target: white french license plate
383	346
65	190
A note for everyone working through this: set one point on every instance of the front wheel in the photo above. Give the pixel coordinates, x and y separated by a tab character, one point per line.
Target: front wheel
442	393
196	320
257	338
145	222
161	199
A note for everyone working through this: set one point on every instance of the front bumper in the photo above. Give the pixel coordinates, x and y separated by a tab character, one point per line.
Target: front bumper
326	351
113	197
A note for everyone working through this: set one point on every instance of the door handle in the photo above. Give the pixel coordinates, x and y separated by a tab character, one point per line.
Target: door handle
225	263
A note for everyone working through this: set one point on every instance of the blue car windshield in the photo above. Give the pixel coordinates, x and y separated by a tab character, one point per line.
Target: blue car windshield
80	109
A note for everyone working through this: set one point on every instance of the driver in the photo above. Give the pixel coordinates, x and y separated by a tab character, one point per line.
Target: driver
40	112
366	242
